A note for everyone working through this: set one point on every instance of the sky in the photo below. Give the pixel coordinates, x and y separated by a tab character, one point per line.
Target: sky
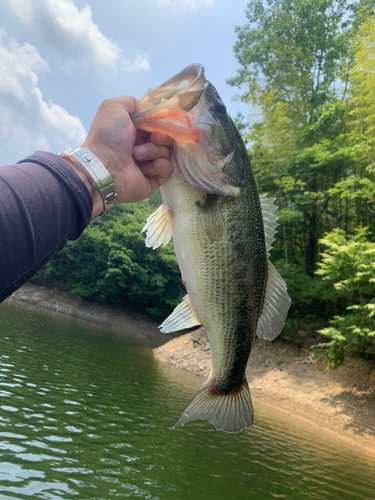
59	59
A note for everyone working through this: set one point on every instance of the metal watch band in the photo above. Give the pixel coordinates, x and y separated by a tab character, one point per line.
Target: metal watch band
99	175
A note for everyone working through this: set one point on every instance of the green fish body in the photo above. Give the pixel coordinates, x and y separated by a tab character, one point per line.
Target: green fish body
222	231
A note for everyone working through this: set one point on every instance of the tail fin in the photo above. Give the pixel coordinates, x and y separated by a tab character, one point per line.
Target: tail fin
228	413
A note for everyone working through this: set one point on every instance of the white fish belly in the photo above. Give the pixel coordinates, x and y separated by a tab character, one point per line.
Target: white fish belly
207	270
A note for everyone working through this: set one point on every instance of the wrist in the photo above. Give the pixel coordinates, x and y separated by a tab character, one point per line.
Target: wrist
97	202
95	177
111	164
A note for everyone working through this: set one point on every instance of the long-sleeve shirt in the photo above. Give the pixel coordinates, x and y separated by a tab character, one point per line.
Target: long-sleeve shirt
43	204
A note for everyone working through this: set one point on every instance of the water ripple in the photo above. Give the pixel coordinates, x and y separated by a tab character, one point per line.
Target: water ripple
91	418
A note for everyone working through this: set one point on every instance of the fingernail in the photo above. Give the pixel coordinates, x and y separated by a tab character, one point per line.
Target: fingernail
140	151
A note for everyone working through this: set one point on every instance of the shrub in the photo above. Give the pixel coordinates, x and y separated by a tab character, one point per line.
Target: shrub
348	263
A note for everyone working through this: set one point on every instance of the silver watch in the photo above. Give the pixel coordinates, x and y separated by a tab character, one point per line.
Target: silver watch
99	175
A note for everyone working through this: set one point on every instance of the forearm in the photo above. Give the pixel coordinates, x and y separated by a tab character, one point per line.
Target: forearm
44	203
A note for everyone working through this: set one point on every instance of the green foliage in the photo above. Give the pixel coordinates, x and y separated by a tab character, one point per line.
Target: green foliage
363	77
293	49
348	264
310	298
352	335
110	263
294	57
308	67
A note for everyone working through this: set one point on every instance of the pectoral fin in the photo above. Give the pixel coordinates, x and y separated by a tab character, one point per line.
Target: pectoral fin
212	217
182	317
275	306
159	227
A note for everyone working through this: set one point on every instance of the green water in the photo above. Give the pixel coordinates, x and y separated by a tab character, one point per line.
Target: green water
88	414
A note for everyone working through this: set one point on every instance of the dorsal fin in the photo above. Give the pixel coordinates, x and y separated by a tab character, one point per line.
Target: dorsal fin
275	306
269	220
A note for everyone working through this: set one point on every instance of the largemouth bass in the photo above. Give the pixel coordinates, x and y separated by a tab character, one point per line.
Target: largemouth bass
222	233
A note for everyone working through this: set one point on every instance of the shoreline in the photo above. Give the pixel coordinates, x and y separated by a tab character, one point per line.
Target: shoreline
43	300
281	375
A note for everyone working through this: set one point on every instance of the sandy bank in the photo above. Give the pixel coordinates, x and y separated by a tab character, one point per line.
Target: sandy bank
282	375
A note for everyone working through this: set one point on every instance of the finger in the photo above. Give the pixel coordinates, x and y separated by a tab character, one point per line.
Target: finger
161	139
142	137
130	103
160	169
150	151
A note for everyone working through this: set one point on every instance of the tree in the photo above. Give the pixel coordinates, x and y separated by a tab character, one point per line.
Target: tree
357	190
294	60
363	78
291	49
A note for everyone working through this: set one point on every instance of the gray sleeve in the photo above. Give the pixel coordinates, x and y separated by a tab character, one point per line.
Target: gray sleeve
44	203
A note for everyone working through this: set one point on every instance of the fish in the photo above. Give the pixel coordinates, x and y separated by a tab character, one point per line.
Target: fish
222	232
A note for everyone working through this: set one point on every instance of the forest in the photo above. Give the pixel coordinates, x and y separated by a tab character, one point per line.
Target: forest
307	73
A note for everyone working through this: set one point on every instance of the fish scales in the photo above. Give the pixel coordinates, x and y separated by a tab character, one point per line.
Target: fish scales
212	209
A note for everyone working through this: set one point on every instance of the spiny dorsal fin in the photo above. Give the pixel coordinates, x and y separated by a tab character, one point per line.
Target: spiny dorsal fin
159	227
182	317
269	220
275	306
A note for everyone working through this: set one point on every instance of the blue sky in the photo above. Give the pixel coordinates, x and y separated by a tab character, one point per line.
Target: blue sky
60	58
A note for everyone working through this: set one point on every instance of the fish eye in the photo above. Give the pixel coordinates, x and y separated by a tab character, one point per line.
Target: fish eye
220	107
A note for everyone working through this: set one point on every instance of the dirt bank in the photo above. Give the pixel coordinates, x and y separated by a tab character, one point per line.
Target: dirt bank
52	302
282	375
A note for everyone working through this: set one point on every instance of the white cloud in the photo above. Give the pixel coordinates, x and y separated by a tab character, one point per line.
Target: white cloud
139	63
27	121
186	4
73	34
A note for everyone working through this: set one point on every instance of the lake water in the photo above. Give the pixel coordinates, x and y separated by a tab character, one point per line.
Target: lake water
88	414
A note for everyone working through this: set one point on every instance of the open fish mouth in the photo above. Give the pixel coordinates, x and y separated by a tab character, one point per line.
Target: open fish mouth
188	108
187	86
167	108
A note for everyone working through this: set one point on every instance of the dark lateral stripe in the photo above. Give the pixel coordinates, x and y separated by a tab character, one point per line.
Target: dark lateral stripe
232	375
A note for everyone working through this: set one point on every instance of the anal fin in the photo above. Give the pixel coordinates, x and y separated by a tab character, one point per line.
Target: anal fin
182	317
159	227
275	306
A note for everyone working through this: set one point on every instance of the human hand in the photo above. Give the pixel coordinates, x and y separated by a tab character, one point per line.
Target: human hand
138	162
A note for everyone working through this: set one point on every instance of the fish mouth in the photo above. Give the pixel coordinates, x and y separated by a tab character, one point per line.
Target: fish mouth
188	86
166	108
180	109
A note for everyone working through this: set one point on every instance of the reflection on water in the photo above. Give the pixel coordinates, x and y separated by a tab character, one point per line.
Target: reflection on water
88	415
